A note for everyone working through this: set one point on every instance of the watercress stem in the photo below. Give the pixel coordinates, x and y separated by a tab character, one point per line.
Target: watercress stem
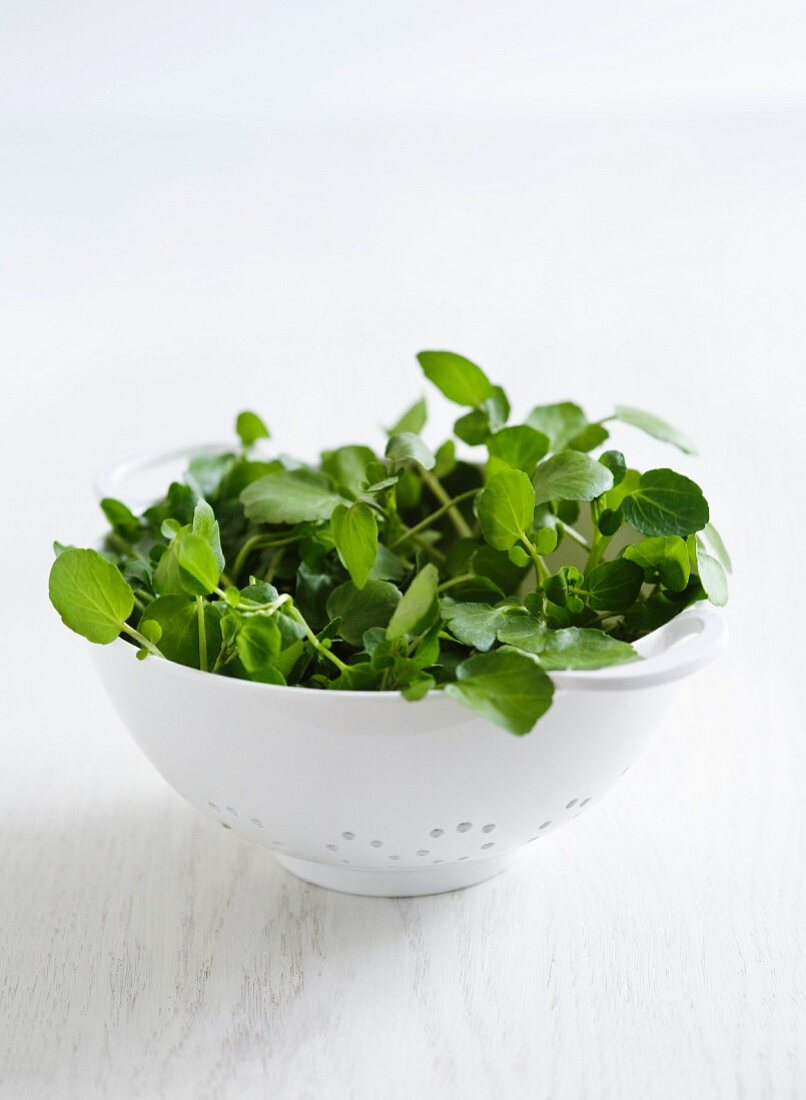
454	515
317	645
202	633
429	520
141	640
541	572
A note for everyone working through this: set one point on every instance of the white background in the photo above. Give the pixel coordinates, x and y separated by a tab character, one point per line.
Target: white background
209	206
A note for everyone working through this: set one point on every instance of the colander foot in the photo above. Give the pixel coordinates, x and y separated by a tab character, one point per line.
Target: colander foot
403	882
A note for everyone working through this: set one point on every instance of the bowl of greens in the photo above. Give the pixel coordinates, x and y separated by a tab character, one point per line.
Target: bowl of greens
397	667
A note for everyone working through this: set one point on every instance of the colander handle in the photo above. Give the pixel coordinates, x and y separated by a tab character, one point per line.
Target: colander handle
686	644
140	481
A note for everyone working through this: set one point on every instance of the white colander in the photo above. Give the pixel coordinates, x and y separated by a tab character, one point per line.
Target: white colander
367	793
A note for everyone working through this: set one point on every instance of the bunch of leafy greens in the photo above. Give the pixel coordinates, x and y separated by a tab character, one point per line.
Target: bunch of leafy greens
411	571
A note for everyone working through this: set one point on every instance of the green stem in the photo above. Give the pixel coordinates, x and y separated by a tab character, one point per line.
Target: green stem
317	645
202	633
597	550
575	535
456	580
454	515
259	542
271	572
429	520
141	640
541	572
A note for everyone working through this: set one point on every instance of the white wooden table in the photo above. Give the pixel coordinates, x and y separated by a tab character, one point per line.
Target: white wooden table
167	272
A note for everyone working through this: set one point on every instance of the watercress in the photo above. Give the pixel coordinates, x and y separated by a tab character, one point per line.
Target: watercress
413	570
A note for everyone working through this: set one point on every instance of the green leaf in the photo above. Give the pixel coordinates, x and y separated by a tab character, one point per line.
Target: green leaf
445	459
572	647
258	642
206	525
89	593
666	503
122	521
356	535
412	420
408	447
205	474
714	544
178	621
198	568
250	428
666	556
571	475
525	632
362	608
591	436
506	508
614	585
616	464
504	687
459	380
654	426
290	496
475	624
347	466
473	428
712	575
560	422
417	602
520	447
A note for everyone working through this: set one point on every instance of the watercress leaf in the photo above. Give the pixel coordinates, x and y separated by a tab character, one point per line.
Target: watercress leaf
609	521
505	687
121	519
571	475
387	565
408	447
713	577
506	508
525	632
626	484
250	428
362	676
359	609
414	607
258	641
177	619
90	594
412	420
545	540
198	568
426	653
614	585
664	556
418	687
348	466
497	408
560	422
716	547
206	525
654	426
473	428
616	464
583	648
592	435
495	566
520	447
460	381
204	475
356	535
666	503
445	459
290	496
474	624
518	556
